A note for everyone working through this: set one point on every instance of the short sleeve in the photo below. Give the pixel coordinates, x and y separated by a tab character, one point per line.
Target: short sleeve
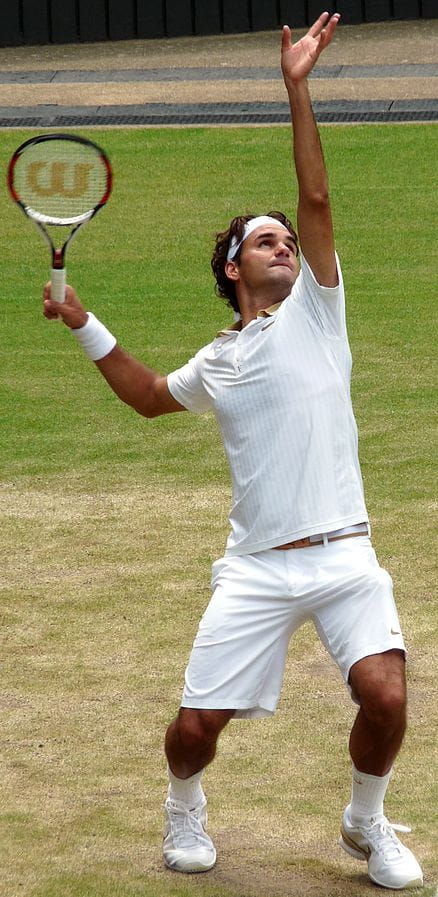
187	387
325	305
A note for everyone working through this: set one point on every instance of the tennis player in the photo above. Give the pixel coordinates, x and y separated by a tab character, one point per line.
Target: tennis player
278	382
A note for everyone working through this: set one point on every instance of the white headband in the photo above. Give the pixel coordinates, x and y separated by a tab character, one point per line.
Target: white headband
250	225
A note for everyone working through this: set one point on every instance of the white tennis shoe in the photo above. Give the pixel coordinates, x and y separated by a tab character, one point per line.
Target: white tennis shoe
186	846
390	863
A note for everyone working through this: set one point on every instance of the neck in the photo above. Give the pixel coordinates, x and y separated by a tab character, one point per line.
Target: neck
251	306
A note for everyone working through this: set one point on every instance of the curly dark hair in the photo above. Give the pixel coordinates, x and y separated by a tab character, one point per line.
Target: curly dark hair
225	288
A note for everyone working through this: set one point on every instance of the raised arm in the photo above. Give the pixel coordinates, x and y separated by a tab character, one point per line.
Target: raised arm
314	219
135	384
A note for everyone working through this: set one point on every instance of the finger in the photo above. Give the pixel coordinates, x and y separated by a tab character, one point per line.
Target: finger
47	291
50	305
286	38
70	294
319	24
331	26
48	311
327	32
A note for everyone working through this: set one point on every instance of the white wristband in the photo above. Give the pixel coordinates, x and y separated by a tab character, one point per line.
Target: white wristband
94	338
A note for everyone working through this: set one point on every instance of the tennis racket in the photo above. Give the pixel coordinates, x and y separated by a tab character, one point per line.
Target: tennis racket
59	181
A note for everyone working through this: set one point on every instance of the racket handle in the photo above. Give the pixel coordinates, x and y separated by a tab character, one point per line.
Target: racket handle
57	291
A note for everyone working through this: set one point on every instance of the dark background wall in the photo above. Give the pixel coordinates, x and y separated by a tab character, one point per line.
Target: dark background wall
64	21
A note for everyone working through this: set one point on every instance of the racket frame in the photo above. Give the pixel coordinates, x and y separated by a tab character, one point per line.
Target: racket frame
58	273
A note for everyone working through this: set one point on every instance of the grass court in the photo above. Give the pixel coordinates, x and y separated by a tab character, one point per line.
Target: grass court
109	524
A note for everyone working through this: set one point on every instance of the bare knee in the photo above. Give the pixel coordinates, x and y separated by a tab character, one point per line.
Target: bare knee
191	739
200	729
379	682
386	708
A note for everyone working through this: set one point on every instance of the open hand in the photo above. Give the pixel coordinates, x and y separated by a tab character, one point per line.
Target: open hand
297	60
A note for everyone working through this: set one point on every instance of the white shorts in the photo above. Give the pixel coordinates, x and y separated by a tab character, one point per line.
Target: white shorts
260	600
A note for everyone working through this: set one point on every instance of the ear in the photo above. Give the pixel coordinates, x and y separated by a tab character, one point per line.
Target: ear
232	271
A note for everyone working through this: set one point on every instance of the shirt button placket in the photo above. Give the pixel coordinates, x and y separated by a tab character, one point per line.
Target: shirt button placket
237	363
237	357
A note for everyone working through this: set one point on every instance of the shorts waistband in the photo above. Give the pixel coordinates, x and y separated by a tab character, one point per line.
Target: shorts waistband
347	532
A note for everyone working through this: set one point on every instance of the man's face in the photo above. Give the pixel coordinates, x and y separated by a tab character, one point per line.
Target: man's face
269	260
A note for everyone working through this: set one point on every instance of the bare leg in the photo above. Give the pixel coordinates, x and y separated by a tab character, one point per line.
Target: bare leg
190	745
191	739
379	683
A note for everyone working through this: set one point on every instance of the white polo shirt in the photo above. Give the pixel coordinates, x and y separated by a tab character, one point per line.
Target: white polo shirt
280	390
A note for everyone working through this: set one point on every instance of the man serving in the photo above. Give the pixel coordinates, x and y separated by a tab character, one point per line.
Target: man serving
278	382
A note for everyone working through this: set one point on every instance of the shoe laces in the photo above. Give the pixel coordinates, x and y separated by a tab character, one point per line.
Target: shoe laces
187	829
380	834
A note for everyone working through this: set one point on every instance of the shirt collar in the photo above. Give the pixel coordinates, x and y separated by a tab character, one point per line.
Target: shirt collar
263	313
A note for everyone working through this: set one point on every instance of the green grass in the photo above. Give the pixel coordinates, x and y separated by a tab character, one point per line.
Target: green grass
109	524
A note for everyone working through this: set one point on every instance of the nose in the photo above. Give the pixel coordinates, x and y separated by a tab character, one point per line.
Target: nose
282	248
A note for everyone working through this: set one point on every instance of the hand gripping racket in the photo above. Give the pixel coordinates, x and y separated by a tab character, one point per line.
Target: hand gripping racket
59	180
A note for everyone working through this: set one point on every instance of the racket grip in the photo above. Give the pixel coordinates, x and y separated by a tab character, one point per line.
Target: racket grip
57	291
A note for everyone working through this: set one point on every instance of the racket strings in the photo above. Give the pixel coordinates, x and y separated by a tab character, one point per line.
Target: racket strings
60	179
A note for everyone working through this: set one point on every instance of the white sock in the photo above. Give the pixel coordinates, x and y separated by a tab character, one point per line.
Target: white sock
188	791
367	795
